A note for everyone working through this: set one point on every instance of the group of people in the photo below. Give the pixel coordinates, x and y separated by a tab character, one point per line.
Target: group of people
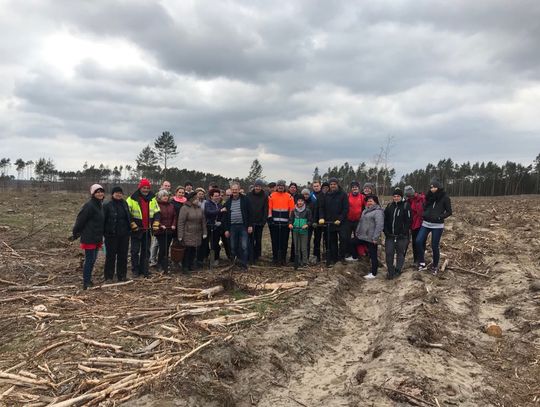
348	226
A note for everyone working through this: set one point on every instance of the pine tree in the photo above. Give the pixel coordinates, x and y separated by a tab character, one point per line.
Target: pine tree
19	166
316	174
147	163
255	172
165	148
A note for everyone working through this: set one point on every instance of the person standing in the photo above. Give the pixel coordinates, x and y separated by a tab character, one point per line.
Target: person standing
164	235
356	206
280	205
333	211
416	202
154	247
89	227
259	205
191	230
213	213
310	204
238	226
299	222
179	199
316	196
144	211
117	231
188	187
369	230
436	209
397	222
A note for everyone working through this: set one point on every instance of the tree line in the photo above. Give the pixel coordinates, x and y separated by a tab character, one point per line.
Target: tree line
466	179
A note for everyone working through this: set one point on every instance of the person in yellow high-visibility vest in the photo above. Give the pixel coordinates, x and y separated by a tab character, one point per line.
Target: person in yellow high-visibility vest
144	210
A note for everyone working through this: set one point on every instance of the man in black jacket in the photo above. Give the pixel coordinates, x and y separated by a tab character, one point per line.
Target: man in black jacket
397	222
316	197
237	224
117	231
259	206
333	210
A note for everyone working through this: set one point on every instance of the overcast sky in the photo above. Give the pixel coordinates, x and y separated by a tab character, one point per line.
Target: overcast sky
294	83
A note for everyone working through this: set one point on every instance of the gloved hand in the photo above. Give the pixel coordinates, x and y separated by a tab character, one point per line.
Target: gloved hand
155	226
337	223
315	224
134	227
321	221
305	227
204	236
217	224
290	226
72	238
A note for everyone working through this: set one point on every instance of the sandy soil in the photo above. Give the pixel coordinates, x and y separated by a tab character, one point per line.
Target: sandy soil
343	341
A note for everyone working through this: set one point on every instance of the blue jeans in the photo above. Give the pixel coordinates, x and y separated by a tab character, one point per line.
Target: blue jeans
239	242
90	256
435	241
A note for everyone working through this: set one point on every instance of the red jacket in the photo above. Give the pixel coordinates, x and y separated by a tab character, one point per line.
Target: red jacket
417	209
356	206
168	216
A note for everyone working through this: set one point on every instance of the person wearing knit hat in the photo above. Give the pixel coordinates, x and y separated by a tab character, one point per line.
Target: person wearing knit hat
397	223
356	206
117	231
293	190
89	228
259	212
437	208
280	205
416	202
144	211
318	234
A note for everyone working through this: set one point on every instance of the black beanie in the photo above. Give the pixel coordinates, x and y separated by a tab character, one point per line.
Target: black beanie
398	191
436	183
355	184
116	189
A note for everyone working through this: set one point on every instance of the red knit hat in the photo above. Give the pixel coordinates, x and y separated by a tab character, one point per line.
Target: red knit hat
144	183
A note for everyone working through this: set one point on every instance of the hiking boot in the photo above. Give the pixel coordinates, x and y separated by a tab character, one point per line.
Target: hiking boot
390	276
434	270
422	267
215	263
369	276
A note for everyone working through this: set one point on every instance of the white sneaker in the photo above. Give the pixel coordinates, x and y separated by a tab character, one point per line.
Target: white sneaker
370	277
350	258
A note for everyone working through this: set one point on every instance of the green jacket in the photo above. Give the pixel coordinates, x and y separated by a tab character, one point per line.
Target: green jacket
299	219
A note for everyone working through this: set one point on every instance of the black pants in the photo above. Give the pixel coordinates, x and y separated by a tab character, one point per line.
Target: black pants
372	250
318	234
255	243
164	242
395	247
415	249
349	229
336	251
140	252
116	257
280	242
190	254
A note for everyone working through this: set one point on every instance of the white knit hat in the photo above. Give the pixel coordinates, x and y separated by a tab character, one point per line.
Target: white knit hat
94	188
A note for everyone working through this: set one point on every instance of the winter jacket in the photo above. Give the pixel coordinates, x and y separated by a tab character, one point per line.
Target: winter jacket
417	209
259	206
89	225
117	218
356	206
300	218
191	225
437	207
168	217
177	205
280	205
371	224
397	219
334	206
212	213
137	212
245	207
316	199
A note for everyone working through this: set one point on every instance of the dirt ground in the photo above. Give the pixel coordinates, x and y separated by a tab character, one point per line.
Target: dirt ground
467	337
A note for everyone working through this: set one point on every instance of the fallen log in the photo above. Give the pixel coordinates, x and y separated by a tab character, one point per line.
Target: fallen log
273	286
463	270
113	285
103	345
228	320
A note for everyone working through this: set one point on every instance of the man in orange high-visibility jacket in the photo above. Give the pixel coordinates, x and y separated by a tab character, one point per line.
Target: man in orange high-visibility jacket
280	205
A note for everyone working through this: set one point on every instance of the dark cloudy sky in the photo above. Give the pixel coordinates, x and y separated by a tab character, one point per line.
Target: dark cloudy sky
293	83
